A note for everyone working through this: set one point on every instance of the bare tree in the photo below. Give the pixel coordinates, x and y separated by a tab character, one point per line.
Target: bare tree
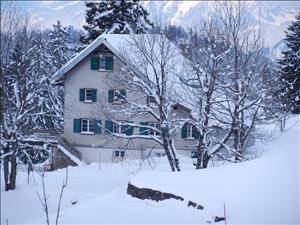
148	72
246	67
205	52
44	199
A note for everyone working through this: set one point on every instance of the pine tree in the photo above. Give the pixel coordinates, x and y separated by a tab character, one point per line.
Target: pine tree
115	16
59	45
290	69
48	115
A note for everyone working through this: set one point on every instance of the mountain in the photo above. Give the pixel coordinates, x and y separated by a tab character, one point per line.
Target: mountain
273	16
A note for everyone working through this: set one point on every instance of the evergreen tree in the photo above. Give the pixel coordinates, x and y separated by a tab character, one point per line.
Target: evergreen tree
290	69
114	16
59	45
47	113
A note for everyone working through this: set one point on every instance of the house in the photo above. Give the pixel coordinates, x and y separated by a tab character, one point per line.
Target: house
88	85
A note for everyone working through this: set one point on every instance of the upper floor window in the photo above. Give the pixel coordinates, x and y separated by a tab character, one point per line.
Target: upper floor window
116	96
88	95
189	131
150	100
87	126
102	63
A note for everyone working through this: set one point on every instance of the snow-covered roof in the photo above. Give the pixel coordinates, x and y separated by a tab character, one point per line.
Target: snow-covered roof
120	44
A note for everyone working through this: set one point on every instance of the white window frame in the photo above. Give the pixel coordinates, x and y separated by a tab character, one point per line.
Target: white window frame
89	122
153	132
189	131
85	95
116	128
117	99
102	67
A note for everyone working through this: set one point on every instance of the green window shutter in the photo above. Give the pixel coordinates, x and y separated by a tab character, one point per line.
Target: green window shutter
195	133
76	125
184	131
94	95
108	126
143	130
98	126
109	63
95	61
123	93
81	95
110	96
129	130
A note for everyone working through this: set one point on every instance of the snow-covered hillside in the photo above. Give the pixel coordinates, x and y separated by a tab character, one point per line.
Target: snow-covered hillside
264	190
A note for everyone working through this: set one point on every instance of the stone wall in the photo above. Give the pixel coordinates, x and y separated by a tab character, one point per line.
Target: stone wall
60	160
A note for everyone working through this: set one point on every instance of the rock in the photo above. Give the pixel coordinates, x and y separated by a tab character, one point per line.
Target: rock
147	193
218	219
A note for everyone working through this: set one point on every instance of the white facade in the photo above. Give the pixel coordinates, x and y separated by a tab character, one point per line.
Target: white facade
97	145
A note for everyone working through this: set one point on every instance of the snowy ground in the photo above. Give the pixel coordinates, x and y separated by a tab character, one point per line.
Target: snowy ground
261	191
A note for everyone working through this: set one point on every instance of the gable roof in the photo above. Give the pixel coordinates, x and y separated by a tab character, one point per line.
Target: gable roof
116	43
80	56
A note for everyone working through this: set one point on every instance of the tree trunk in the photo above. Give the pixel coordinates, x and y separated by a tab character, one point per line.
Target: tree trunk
10	172
168	153
6	172
13	172
176	161
203	157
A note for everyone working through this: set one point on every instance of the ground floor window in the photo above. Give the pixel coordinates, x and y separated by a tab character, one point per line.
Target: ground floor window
119	153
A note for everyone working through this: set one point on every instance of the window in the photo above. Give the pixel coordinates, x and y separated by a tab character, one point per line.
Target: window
87	126
160	154
102	63
105	63
88	95
122	129
116	96
116	128
154	132
189	131
150	100
119	153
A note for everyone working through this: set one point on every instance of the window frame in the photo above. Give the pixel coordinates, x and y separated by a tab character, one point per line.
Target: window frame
85	95
150	100
90	123
116	128
153	132
119	99
102	59
189	130
119	154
